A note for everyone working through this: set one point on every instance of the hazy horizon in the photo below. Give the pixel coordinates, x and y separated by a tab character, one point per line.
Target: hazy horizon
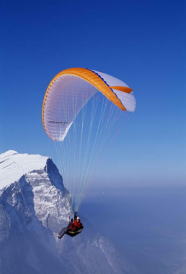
146	225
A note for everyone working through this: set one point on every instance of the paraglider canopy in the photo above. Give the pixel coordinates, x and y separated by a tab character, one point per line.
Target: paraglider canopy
71	89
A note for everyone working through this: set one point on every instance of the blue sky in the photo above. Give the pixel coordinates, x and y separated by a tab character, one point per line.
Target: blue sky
140	42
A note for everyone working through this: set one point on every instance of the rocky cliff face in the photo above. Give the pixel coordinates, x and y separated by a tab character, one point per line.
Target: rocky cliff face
35	195
34	206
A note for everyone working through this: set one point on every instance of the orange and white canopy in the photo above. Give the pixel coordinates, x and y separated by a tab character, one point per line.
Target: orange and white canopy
71	89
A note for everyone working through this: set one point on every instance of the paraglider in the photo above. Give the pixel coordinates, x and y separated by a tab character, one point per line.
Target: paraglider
73	228
67	95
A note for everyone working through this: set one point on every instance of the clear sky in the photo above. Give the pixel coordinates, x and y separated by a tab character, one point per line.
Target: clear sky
140	42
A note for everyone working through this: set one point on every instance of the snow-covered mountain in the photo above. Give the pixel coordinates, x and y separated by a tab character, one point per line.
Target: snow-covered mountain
34	205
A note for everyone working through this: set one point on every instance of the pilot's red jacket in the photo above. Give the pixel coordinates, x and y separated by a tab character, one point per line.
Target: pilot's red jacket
72	227
77	224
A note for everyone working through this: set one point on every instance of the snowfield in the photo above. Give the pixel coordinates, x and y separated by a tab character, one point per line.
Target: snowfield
13	165
34	206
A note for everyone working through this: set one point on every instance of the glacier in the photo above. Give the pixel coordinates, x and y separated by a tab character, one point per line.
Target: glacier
34	206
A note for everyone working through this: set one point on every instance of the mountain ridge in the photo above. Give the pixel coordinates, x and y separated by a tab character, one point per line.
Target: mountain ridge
33	208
